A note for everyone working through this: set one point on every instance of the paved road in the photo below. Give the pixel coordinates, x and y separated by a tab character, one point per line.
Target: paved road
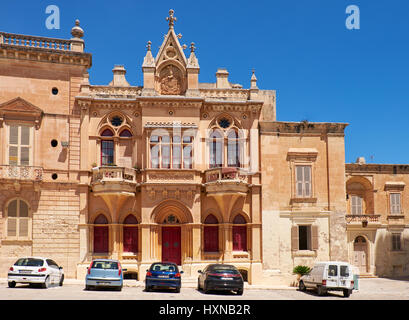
369	289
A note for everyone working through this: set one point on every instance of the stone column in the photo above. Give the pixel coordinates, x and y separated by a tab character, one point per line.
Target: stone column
228	244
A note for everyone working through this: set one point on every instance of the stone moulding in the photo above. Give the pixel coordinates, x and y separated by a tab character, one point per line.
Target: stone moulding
304	128
377	168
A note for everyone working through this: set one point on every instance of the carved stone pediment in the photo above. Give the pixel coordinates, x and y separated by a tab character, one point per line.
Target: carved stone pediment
20	109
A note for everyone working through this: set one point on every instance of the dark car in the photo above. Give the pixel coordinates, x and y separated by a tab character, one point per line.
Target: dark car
220	277
163	275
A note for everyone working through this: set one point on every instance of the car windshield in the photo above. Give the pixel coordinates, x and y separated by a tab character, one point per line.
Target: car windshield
29	262
105	265
164	267
221	269
344	271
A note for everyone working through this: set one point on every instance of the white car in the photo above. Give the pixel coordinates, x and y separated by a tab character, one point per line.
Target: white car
329	276
35	270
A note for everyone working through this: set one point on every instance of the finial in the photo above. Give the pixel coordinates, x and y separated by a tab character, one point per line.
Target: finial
179	36
171	18
192	47
77	31
184	46
148	46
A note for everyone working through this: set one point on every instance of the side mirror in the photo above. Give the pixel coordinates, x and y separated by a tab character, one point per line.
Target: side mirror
61	268
181	272
124	270
200	271
87	268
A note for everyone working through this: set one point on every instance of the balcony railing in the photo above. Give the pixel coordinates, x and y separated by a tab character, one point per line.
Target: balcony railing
34	42
225	174
113	174
362	217
28	173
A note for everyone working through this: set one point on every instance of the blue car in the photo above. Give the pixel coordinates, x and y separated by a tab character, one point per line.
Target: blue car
104	273
163	275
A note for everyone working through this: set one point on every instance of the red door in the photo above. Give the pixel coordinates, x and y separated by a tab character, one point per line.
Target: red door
171	251
239	238
101	239
130	239
211	239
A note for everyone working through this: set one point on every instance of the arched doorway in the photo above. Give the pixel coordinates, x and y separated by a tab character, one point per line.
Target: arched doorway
171	240
361	254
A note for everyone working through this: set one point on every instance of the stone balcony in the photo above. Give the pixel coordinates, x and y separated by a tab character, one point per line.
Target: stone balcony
113	180
363	220
226	181
21	173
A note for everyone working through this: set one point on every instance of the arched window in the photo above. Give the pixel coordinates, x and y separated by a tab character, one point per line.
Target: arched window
211	234
216	149
233	149
17	219
107	148
130	234
101	235
239	234
125	133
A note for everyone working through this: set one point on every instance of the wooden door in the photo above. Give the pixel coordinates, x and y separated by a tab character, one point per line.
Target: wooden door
101	239
360	257
239	238
171	245
130	239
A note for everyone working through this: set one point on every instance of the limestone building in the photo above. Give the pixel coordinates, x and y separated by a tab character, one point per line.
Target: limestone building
179	170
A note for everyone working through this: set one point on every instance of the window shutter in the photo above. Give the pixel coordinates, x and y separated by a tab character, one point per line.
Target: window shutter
13	135
299	181
11	227
25	136
13	156
24	156
23	227
294	238
307	181
315	237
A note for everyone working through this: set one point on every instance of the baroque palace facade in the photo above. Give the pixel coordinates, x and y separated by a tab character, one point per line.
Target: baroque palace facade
179	170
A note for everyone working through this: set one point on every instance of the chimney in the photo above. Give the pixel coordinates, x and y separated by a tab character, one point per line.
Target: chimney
119	77
222	79
360	160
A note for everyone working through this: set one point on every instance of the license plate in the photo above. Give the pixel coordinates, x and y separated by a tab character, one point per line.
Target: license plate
163	276
102	282
224	278
25	271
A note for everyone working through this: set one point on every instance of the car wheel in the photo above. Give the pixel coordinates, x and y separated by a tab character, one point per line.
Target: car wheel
147	288
61	281
119	288
87	287
198	285
301	286
46	283
178	290
205	289
12	284
240	292
320	291
347	293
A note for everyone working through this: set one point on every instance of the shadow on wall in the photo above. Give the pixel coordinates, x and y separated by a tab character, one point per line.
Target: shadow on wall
390	264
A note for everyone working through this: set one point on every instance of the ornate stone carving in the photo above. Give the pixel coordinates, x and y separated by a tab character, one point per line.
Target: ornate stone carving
170	81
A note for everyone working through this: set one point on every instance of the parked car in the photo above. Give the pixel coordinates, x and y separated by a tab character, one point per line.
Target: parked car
329	276
35	270
220	277
163	275
104	273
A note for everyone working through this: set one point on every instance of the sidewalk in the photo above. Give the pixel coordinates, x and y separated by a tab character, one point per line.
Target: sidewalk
188	283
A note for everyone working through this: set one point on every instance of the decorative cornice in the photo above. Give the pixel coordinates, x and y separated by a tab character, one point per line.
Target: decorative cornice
302	128
20	108
377	168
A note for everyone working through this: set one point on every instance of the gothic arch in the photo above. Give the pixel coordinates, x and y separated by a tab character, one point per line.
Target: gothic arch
174	207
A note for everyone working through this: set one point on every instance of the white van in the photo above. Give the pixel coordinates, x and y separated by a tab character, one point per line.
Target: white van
329	276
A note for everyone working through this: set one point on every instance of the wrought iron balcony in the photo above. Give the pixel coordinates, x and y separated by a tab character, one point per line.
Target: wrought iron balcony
24	173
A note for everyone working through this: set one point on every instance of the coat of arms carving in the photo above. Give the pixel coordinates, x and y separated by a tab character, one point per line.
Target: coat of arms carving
170	81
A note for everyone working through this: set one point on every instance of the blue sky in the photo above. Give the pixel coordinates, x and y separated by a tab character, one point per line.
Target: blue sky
321	70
